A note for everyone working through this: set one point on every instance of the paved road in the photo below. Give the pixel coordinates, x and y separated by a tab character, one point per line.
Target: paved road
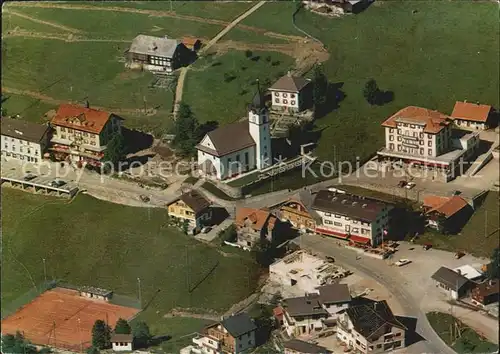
379	271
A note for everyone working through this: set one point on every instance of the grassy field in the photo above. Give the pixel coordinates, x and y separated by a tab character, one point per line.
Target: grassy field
29	108
212	98
225	11
91	242
266	18
116	25
469	342
35	65
473	238
178	328
242	35
420	57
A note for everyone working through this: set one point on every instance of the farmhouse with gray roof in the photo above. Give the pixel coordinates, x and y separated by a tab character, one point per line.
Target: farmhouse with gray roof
158	54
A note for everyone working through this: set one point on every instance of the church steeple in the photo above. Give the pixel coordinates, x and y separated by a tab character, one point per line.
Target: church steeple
258	103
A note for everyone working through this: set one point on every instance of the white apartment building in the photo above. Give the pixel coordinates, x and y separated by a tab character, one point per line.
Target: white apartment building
23	140
423	138
82	133
291	93
371	328
238	147
351	217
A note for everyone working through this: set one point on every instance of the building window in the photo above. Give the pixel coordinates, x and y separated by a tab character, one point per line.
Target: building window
429	136
391	137
63	129
276	94
355	221
285	101
414	134
400	131
355	229
429	143
391	146
277	100
337	223
391	130
430	151
421	151
328	214
327	222
285	95
292	102
421	142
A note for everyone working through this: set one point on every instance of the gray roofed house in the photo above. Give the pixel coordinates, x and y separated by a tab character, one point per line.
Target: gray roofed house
451	281
228	138
367	319
290	83
158	54
334	293
157	46
348	205
23	130
195	201
299	346
304	306
239	324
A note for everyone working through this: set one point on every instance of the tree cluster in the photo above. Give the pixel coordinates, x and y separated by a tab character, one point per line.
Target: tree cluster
493	269
374	95
228	234
17	344
116	149
188	131
101	334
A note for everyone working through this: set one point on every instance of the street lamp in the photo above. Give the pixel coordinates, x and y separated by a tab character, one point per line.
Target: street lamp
139	286
44	270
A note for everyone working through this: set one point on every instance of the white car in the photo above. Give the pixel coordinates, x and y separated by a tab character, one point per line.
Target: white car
410	185
402	262
206	230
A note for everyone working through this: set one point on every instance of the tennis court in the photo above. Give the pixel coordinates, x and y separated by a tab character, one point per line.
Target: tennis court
62	318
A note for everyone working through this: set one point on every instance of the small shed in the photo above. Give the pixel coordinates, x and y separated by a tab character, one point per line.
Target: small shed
452	282
122	342
96	293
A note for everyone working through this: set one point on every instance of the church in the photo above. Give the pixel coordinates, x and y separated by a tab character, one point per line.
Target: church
238	147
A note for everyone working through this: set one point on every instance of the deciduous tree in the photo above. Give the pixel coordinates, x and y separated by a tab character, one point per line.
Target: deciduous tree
122	327
493	268
101	335
371	91
141	333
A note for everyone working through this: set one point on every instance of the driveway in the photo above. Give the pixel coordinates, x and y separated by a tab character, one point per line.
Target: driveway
410	285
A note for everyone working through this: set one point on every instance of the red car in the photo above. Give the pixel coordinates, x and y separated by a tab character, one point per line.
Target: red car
427	246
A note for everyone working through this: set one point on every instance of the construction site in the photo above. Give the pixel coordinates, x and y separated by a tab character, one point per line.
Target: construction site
303	272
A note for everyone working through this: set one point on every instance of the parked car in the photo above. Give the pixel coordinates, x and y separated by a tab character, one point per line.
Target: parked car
206	230
402	262
330	259
29	176
57	183
459	254
144	198
427	246
401	184
410	185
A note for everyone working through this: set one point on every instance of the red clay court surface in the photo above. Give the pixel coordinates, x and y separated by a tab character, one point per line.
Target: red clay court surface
73	315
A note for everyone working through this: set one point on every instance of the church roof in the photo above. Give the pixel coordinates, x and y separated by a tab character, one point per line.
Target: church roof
228	139
290	83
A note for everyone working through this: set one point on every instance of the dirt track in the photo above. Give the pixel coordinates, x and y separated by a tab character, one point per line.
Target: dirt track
61	37
52	24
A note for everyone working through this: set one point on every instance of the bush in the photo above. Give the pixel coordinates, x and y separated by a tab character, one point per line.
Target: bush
248	53
228	234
